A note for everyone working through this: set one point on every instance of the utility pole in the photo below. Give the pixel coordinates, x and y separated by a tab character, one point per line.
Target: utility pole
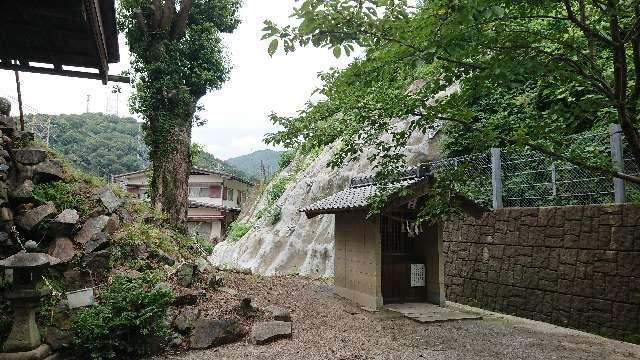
88	100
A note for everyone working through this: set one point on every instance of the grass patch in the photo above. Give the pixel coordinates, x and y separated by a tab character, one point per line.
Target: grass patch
64	195
237	230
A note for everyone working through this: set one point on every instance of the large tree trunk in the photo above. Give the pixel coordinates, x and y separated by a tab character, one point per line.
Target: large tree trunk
171	169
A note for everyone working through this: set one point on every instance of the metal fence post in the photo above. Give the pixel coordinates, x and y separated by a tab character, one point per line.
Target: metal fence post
554	186
615	138
496	177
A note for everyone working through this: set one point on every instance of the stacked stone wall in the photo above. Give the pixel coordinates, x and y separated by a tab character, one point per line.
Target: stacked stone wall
576	266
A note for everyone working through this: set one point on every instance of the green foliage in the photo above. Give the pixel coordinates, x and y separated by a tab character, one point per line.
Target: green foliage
257	161
64	195
51	303
129	317
208	161
285	159
276	188
274	215
153	233
237	230
97	143
516	74
177	57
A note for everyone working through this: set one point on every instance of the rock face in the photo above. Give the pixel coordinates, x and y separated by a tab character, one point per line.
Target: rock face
29	156
297	244
33	217
110	201
264	332
211	332
279	313
62	248
90	228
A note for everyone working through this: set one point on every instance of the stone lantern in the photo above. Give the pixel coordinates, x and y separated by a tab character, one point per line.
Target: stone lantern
24	339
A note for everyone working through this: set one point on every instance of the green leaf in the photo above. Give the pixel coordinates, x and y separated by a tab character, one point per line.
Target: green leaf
337	51
273	46
499	11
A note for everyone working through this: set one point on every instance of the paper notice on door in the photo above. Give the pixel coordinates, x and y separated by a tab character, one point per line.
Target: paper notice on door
417	275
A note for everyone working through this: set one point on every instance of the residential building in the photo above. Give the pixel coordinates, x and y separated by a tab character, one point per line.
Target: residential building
215	198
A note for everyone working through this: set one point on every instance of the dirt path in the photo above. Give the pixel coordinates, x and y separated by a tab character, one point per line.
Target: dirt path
327	327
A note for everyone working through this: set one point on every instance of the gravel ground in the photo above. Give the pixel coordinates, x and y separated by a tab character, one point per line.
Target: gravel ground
328	327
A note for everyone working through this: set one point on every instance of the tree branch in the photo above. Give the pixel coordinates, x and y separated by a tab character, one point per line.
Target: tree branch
588	31
168	14
179	28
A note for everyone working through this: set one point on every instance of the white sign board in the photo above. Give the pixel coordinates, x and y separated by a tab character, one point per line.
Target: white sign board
417	275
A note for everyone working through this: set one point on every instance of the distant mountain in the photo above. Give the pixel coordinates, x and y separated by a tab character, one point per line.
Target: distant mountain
208	161
103	144
258	161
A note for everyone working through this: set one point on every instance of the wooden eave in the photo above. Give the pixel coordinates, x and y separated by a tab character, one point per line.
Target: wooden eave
45	36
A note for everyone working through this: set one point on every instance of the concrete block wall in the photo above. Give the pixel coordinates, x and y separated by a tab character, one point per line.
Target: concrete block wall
576	266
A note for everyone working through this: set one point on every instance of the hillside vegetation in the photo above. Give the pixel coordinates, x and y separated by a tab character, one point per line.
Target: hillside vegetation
256	162
104	144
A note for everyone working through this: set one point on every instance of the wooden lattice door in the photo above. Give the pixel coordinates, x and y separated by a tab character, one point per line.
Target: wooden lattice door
398	253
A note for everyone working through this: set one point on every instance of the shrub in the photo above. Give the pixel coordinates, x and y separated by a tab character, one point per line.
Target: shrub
237	230
127	322
276	189
274	215
286	158
62	194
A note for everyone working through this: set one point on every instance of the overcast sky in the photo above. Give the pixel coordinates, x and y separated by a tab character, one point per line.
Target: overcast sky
237	115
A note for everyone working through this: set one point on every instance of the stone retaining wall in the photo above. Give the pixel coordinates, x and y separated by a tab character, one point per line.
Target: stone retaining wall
576	266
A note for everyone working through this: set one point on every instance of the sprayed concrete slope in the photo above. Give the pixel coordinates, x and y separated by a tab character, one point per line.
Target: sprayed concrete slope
297	245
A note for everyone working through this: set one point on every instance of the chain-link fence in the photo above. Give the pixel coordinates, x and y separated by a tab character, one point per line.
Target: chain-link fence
532	179
470	175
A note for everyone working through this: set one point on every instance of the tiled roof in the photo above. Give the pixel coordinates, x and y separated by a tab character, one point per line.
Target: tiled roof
361	188
202	204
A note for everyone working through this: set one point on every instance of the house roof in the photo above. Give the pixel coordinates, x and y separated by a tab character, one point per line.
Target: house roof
195	171
360	189
71	33
203	204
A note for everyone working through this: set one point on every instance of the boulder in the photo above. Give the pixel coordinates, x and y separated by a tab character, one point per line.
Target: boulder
212	332
5	111
24	137
279	313
110	201
65	222
7	123
97	262
98	242
49	170
33	217
184	274
6	214
204	266
186	319
90	228
264	332
29	156
21	192
62	248
162	257
113	224
55	338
